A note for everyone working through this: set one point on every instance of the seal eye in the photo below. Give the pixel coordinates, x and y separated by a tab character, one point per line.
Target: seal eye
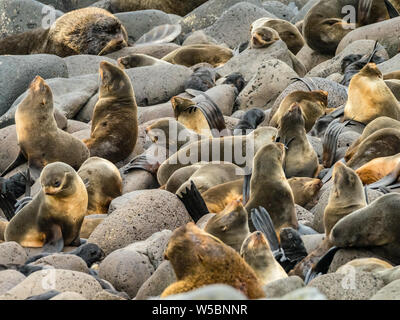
57	183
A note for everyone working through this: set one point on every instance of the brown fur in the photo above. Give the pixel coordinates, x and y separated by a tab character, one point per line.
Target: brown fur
84	31
378	168
304	189
200	259
392	75
114	123
263	37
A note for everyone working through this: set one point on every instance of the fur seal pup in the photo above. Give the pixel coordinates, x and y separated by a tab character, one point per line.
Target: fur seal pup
103	183
191	55
233	149
369	97
138	60
230	226
313	104
301	160
199	259
375	226
54	217
263	37
85	31
39	138
286	31
250	121
114	123
202	79
257	253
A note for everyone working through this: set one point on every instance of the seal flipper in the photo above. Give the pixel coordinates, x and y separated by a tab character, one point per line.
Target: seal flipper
262	222
293	248
194	202
246	188
142	162
322	265
330	143
364	10
20	159
387	180
54	240
7	203
393	13
328	175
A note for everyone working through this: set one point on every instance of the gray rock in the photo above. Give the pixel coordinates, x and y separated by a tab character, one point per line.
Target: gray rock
312	241
303	215
8	146
55	279
12	253
68	5
233	27
389	275
310	58
137	23
18	16
352	286
304	294
198	37
63	261
390	65
389	292
105	295
9	279
210	292
303	11
158	282
17	72
85	64
316	143
272	77
69	295
126	270
279	9
75	126
281	287
146	212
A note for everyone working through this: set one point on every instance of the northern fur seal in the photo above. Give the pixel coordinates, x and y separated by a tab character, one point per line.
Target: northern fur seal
378	168
197	53
103	183
199	259
263	37
301	160
286	31
84	31
114	124
250	121
39	138
138	60
313	104
375	226
54	217
369	97
257	253
304	189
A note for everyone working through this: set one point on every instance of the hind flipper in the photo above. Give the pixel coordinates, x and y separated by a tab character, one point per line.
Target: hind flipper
20	159
263	222
194	202
322	265
142	162
330	143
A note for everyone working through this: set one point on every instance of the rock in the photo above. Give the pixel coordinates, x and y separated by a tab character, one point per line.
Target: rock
126	270
310	58
158	282
155	50
18	16
248	62
233	27
12	253
137	23
303	215
42	281
105	295
334	65
389	292
198	37
162	110
82	134
69	295
85	64
9	279
8	146
389	275
145	213
344	256
352	286
90	223
208	13
68	5
281	287
304	294
279	9
312	241
75	126
210	292
316	143
272	77
63	261
390	65
304	10
17	72
384	31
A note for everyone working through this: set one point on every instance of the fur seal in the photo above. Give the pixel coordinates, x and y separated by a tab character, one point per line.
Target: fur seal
39	138
191	55
250	121
263	37
304	189
301	160
114	123
199	259
138	60
375	226
369	97
257	253
103	183
313	104
84	31
54	217
378	168
230	225
202	79
217	149
180	176
286	31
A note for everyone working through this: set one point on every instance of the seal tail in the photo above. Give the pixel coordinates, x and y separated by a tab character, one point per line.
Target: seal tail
194	202
322	265
263	222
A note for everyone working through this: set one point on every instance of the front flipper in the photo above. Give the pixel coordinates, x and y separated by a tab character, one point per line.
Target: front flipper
194	202
393	13
364	10
263	222
20	159
54	240
322	265
246	188
142	162
330	142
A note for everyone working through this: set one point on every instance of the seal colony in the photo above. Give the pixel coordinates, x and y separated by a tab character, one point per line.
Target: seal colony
189	153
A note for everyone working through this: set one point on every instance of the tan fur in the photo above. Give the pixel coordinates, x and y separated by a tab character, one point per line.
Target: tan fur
377	168
263	37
